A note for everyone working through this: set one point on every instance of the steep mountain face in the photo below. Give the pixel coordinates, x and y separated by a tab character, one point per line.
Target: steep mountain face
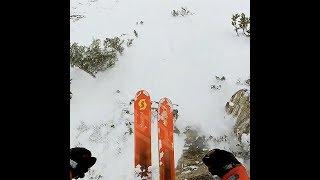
169	52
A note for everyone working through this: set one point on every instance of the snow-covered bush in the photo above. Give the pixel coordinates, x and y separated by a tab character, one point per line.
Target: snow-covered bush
182	12
76	17
220	78
242	23
114	44
141	22
95	58
135	33
175	13
129	42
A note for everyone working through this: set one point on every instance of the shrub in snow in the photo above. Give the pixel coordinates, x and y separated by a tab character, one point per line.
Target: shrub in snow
240	21
129	42
175	13
95	58
219	81
234	22
135	33
76	17
175	114
182	12
94	174
216	87
220	78
242	82
83	127
129	128
141	22
114	44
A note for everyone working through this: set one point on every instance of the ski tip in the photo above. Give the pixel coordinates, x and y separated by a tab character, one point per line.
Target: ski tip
141	92
165	99
145	92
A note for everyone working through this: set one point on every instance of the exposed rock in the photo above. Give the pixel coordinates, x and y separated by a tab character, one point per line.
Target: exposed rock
190	165
239	108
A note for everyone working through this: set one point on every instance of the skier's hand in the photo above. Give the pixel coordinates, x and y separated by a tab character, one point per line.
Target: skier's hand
80	161
219	161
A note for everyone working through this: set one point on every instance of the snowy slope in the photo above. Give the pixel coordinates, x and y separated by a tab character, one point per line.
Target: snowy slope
174	57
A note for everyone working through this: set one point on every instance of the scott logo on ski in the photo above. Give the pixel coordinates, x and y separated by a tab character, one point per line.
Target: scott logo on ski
142	104
142	134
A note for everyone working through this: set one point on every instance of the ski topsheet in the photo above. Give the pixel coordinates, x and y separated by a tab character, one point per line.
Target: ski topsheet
142	134
165	140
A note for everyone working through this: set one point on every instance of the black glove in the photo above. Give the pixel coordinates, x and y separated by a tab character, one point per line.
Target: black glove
80	161
219	162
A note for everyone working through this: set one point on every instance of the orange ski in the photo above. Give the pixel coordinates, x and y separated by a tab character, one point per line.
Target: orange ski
142	134
165	136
